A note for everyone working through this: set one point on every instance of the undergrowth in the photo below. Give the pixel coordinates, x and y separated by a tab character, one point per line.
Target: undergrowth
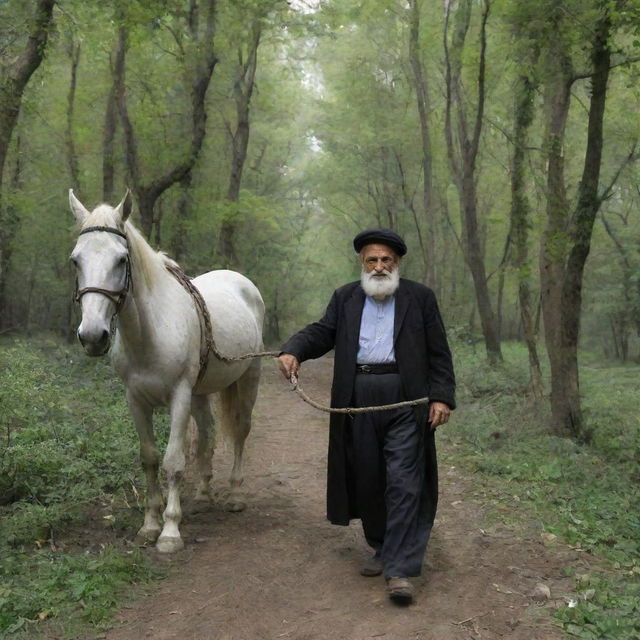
77	588
587	496
70	486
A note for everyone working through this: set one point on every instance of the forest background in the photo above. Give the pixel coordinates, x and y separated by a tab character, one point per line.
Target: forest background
500	138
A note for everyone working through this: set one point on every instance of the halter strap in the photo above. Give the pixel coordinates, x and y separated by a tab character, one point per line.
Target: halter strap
113	230
117	297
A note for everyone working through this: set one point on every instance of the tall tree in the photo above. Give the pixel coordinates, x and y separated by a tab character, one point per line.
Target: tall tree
463	143
521	222
423	104
525	31
108	137
73	51
200	58
568	232
243	85
13	80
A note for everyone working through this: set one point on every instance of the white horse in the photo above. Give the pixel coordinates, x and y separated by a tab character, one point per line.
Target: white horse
158	351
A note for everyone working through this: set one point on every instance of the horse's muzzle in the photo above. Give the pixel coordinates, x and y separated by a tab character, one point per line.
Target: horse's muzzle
95	346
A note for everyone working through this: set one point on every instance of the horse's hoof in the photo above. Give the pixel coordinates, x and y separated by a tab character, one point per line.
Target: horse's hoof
147	537
169	544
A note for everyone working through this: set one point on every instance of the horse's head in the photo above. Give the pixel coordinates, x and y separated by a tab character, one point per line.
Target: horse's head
101	258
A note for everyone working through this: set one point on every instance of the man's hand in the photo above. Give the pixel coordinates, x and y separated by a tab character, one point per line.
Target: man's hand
439	413
288	364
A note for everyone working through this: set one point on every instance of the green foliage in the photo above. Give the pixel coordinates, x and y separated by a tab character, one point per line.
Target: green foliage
46	584
68	459
334	146
598	594
67	435
588	496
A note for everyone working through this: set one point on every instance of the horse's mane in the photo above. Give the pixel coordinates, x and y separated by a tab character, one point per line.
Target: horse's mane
145	260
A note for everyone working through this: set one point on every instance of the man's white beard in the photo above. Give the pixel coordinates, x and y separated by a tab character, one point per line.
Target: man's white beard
378	286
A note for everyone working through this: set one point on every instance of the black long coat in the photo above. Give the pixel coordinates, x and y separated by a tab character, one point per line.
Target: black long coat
424	364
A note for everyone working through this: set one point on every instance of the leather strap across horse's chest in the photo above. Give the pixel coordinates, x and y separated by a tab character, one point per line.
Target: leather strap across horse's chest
207	345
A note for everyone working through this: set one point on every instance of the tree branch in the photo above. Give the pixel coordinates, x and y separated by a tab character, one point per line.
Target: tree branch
481	81
631	157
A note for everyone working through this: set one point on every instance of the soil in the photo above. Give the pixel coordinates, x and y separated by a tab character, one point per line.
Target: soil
280	570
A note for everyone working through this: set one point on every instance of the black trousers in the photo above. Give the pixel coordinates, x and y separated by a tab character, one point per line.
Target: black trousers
387	468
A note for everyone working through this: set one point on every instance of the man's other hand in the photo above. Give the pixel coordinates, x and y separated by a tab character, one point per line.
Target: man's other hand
288	365
439	413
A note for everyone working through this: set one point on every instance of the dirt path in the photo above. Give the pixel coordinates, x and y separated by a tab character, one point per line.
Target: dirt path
279	570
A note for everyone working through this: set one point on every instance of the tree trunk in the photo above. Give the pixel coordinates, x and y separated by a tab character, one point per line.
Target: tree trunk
12	222
557	98
462	161
272	321
178	249
567	240
475	261
422	100
242	91
108	140
621	322
520	223
148	193
72	156
13	80
568	413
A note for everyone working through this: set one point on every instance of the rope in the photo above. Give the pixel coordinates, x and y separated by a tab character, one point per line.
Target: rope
295	384
210	346
351	410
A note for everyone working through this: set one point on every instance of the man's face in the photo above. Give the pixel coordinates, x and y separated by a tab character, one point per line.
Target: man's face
378	260
380	273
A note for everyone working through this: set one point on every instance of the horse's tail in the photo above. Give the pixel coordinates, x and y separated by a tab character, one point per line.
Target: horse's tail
225	403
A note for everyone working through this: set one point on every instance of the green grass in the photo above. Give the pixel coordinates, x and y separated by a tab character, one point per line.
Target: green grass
588	496
81	589
68	464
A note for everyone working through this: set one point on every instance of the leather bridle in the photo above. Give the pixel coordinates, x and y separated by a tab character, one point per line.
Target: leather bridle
117	297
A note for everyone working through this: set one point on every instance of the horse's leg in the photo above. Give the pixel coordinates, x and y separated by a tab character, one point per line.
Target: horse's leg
142	415
173	465
201	411
237	406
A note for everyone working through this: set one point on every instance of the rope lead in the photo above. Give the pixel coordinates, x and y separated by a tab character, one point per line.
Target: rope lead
208	345
295	384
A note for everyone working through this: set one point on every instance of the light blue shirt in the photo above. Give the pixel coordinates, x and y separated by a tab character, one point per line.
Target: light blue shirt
376	331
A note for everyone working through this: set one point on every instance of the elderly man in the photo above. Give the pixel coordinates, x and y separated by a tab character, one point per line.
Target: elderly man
390	345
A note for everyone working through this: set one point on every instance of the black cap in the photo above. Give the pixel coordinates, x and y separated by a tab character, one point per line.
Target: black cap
380	236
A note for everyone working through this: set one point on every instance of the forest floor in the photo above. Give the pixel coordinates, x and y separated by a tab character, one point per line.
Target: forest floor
280	570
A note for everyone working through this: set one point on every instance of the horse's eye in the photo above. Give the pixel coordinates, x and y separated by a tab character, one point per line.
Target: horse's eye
122	260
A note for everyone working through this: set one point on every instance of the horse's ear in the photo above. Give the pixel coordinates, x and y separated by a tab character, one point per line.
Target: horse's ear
124	208
77	208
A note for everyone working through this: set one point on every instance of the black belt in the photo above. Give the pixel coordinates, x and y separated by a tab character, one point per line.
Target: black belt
390	367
